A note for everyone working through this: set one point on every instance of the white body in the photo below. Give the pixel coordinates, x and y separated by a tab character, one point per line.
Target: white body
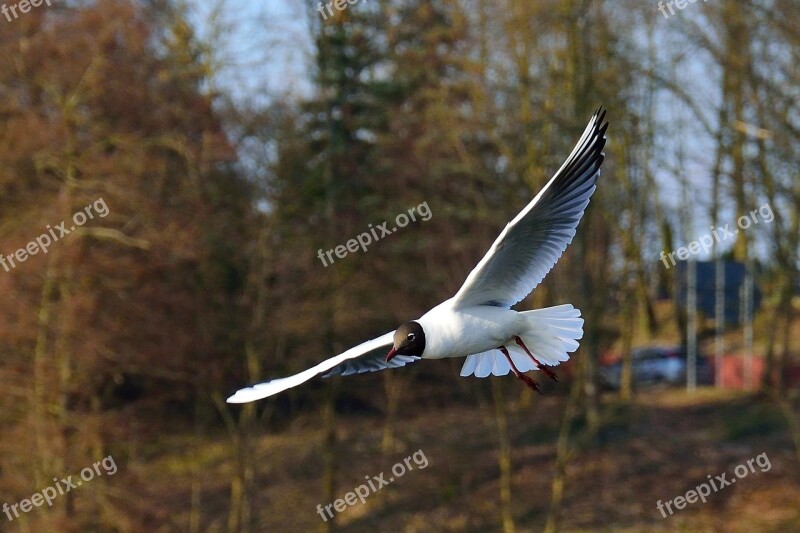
476	332
452	332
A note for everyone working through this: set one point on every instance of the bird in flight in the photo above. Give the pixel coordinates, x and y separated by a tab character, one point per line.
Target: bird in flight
478	322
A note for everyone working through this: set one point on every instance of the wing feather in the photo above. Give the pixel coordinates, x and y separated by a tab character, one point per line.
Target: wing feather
531	244
366	357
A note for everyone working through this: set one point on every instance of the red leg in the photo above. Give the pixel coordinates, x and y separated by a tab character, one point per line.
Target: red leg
552	375
529	381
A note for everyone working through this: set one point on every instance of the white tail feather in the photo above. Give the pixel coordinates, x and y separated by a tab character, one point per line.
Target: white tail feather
550	334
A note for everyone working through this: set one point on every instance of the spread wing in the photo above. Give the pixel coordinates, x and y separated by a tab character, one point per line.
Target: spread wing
366	357
530	245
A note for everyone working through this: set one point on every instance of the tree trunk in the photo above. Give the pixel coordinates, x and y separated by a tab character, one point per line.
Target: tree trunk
503	456
626	377
563	455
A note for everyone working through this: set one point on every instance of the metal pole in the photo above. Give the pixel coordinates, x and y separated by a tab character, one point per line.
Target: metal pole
748	325
691	325
719	311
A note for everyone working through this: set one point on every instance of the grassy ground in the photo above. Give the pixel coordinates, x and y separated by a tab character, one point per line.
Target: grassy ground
659	448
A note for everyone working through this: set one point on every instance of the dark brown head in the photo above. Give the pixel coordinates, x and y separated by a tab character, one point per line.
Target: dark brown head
409	339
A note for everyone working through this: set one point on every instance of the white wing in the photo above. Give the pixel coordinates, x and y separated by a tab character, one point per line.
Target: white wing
366	357
530	245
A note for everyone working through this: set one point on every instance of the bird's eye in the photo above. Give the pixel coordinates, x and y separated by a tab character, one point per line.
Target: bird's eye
411	336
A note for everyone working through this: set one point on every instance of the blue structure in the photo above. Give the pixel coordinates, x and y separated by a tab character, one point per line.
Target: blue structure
735	273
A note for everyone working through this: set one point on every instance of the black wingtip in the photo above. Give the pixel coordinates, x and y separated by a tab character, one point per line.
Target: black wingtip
601	125
600	116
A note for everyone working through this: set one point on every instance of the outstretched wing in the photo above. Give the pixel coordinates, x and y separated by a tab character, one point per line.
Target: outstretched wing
371	362
530	245
366	357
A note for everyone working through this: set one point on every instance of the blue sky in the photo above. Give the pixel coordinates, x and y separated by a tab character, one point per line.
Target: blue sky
262	47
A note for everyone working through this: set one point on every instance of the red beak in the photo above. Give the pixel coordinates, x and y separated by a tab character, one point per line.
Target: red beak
391	354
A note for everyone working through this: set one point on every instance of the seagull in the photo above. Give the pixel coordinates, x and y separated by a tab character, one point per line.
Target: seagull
478	322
